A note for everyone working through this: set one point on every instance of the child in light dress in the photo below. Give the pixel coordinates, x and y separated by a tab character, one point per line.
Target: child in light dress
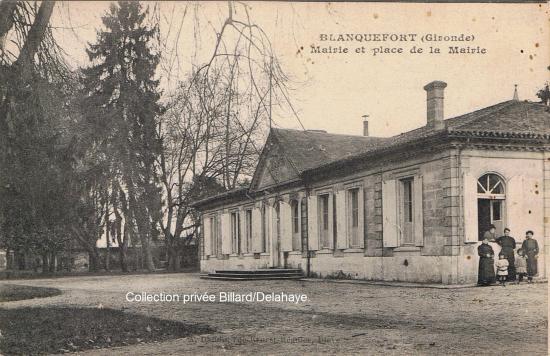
502	269
521	265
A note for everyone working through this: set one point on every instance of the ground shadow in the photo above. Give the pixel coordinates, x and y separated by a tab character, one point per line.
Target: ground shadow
48	330
12	292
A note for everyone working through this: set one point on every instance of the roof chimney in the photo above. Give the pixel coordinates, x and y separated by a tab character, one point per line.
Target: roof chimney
516	96
365	125
434	101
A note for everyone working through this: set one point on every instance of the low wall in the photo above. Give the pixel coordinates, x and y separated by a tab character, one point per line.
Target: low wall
401	267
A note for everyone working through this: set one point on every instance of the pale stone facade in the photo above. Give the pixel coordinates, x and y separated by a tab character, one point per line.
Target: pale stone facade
408	208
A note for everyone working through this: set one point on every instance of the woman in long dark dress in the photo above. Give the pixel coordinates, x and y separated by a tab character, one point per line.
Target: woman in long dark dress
486	272
531	249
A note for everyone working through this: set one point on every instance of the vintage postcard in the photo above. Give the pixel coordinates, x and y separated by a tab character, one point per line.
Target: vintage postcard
274	177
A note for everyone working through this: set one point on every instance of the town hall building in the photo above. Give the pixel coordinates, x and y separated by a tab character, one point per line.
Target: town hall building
410	208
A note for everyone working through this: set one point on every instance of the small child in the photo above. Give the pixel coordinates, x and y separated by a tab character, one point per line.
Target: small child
521	265
502	269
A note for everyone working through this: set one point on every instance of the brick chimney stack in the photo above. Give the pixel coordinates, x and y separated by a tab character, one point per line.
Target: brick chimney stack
434	101
365	125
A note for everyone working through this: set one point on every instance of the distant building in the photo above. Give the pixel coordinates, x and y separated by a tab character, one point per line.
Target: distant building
411	207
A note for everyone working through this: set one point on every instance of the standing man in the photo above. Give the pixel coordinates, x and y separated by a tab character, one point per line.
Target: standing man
508	245
531	249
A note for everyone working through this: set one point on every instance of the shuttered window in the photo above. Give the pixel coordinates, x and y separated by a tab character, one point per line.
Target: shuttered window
323	210
304	223
248	227
295	223
213	221
235	233
353	216
264	228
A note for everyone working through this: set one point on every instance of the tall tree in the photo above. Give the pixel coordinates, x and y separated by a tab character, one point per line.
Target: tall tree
121	104
36	158
215	119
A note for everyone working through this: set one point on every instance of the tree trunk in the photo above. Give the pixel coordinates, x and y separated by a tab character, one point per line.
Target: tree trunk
172	254
93	261
52	262
123	253
34	39
9	259
147	253
90	247
108	239
45	262
7	10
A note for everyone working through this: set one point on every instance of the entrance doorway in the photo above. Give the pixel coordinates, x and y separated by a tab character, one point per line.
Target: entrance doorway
490	204
489	212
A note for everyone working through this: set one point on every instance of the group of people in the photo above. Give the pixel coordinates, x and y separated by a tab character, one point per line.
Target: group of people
509	266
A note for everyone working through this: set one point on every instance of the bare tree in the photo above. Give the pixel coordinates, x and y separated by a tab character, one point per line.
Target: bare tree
215	121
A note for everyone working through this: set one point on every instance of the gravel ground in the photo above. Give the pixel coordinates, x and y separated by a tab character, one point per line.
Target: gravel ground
337	317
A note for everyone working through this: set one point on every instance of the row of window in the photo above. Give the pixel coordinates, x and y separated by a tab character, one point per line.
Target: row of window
242	236
334	227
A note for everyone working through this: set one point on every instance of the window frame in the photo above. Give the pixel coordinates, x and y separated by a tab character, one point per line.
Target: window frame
353	232
235	232
323	215
248	229
295	224
488	193
304	223
406	205
263	228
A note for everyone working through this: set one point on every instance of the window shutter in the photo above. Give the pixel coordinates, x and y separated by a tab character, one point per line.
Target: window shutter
515	197
256	230
219	232
361	227
242	231
342	214
226	233
470	208
270	227
389	212
418	212
206	237
330	221
286	226
313	228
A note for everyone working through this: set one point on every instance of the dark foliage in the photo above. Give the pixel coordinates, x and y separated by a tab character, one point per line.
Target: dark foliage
120	105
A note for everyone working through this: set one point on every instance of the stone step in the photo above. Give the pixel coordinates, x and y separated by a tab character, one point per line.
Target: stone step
254	276
261	271
247	278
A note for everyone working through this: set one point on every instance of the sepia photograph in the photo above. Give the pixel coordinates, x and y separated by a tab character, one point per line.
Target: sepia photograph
274	177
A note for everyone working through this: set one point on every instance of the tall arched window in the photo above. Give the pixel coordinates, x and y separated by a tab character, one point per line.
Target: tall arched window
491	200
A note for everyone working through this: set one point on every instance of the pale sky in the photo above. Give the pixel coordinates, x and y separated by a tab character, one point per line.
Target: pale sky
334	91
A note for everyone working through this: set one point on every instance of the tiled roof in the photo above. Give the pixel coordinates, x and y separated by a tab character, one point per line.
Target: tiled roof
509	119
310	149
236	193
